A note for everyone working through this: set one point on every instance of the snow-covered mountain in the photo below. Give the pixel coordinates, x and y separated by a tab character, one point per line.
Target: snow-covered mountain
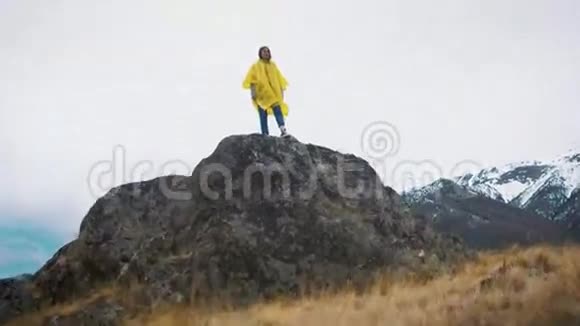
521	202
542	187
482	222
434	191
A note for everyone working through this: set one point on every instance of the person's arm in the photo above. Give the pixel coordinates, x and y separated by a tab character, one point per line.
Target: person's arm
253	91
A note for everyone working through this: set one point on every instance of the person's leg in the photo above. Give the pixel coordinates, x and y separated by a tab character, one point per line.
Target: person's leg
263	121
278	115
279	118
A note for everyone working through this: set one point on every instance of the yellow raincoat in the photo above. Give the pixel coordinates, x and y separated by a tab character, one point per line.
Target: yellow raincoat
269	83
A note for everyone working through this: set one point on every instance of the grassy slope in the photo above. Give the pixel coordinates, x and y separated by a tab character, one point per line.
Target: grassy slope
535	286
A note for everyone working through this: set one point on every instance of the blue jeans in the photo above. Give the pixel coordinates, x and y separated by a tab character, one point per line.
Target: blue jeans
264	118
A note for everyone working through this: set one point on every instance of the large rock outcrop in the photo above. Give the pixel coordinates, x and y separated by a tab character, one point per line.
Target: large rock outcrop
259	217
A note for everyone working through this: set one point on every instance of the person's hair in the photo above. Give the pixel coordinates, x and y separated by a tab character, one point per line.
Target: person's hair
260	51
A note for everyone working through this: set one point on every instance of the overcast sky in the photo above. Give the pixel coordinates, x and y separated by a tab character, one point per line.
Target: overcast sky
487	81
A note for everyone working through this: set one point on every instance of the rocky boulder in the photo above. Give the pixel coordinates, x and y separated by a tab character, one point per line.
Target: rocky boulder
259	217
16	297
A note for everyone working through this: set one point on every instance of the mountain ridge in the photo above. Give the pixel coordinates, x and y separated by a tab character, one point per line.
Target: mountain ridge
481	222
519	193
539	186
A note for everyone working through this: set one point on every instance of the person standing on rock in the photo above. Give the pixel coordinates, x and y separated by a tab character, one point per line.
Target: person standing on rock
267	85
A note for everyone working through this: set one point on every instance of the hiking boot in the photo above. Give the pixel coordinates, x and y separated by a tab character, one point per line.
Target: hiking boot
284	132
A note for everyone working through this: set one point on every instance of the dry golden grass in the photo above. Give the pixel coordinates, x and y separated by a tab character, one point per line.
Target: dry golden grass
534	286
63	309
